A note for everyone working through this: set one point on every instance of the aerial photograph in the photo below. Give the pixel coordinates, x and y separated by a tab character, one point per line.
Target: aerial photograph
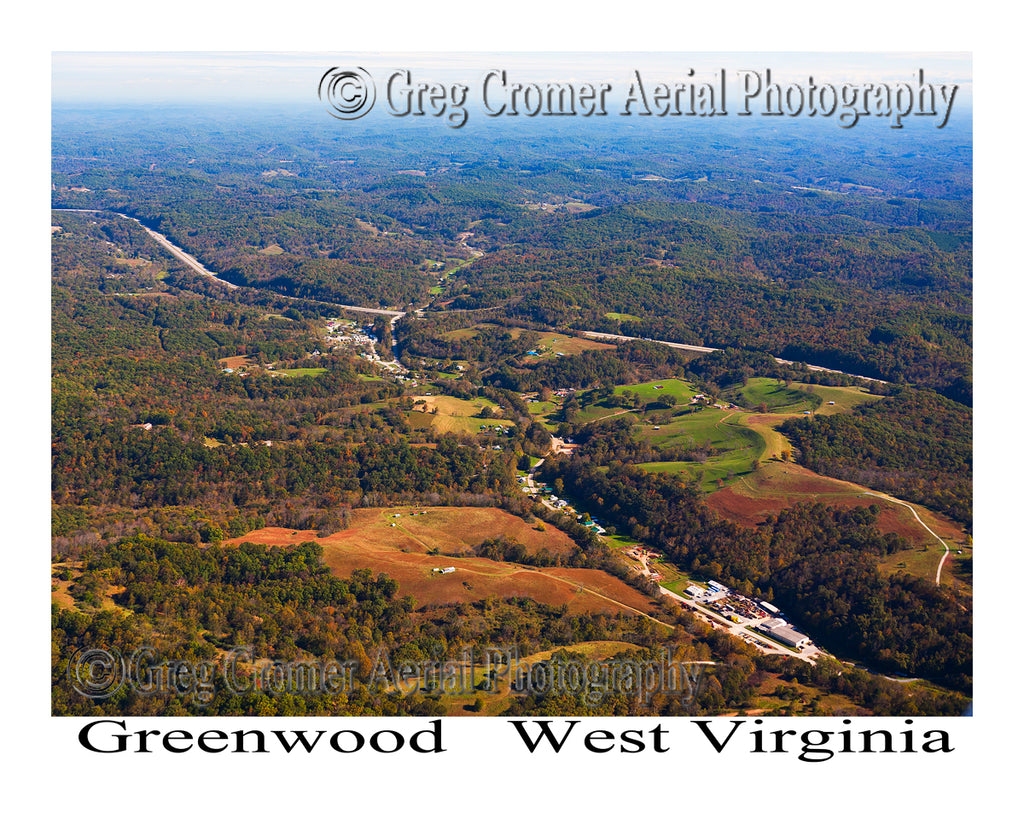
511	384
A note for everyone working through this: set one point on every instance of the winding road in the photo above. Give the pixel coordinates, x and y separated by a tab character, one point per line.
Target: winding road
198	267
945	554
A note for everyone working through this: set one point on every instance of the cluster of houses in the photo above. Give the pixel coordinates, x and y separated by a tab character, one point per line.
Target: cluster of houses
350	332
498	429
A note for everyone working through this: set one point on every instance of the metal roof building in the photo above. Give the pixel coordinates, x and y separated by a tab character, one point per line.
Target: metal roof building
789	636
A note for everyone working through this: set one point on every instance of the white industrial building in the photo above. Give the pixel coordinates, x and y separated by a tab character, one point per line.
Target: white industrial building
790	636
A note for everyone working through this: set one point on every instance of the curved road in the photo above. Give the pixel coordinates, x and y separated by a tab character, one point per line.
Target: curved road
913	511
697	349
198	267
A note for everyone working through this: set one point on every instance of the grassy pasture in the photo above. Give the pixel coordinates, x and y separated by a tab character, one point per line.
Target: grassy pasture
776	396
601	409
453	414
736	447
622	317
299	372
545	413
649	391
551	344
846	398
464	333
797	397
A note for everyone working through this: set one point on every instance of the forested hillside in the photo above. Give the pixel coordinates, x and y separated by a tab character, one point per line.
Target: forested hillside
264	466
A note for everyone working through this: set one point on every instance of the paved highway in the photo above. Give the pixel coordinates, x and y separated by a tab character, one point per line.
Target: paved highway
198	267
697	349
807	654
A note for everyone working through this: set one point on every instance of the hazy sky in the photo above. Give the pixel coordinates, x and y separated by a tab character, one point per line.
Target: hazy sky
277	77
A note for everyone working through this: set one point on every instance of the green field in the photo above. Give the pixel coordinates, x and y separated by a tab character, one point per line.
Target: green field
846	398
774	395
649	392
464	333
546	413
543	407
707	474
797	397
683	391
671	577
312	372
734	440
734	447
622	317
715	428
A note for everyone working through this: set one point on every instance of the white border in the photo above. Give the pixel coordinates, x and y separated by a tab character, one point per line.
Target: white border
485	772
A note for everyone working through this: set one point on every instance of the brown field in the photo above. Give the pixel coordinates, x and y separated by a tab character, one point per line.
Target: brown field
60	589
591	649
451	530
776	486
463	333
452	414
234	362
553	343
765	426
400	551
59	594
497	702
